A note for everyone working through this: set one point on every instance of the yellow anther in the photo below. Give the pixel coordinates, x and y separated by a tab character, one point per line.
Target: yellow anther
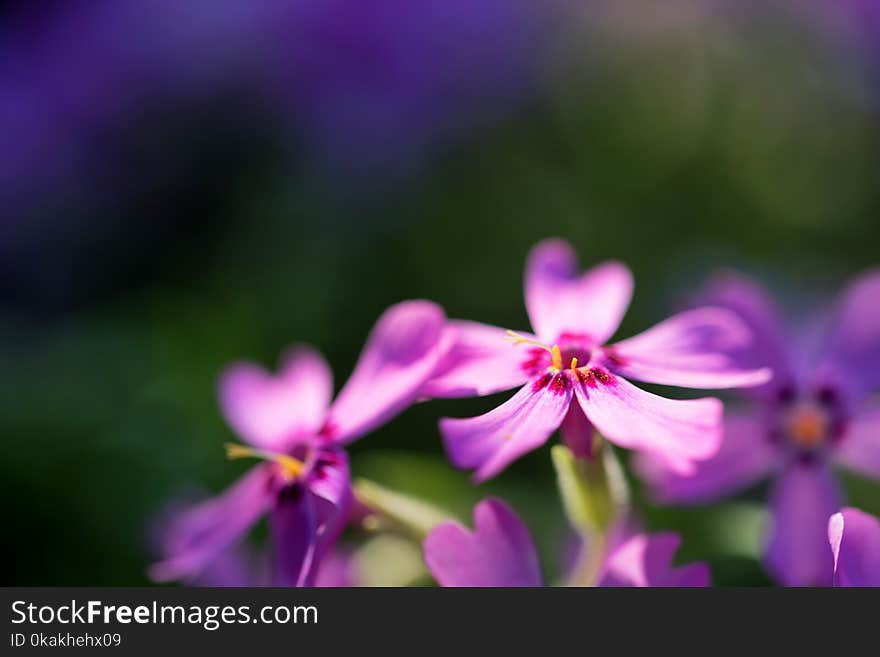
557	357
292	467
236	451
574	363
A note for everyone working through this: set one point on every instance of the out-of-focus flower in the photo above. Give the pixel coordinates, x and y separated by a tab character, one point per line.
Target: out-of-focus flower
369	87
855	543
500	552
376	86
567	359
814	413
109	110
289	422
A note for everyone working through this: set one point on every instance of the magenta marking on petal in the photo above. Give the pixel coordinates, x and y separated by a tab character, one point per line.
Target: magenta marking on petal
537	362
572	337
595	376
559	384
603	376
328	431
541	383
614	358
585	376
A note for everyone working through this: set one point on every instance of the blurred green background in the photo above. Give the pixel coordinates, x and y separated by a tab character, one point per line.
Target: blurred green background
681	140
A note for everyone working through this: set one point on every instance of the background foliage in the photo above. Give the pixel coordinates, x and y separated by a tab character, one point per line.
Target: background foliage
198	221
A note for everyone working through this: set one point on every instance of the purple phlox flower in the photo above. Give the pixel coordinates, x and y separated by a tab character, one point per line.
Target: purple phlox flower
289	422
567	359
855	545
500	552
814	414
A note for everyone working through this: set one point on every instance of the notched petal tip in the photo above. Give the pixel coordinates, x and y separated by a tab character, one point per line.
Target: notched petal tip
402	352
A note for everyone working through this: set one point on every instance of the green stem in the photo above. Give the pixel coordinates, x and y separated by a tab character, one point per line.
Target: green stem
590	560
594	495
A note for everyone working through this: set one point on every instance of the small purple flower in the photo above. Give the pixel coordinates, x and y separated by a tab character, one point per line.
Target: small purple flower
289	422
855	544
500	552
814	414
573	316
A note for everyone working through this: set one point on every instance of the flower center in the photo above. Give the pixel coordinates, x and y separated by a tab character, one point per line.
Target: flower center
567	354
807	425
291	467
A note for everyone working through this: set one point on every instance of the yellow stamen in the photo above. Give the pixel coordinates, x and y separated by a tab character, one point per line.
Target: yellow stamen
291	466
516	338
236	451
574	363
555	352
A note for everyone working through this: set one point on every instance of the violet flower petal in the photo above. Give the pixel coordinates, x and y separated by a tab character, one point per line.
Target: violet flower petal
489	442
199	534
498	552
855	544
859	449
307	520
746	456
273	412
854	354
402	352
331	485
293	526
692	349
803	498
561	300
753	304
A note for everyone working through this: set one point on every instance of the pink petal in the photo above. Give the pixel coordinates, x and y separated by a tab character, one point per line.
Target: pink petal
490	442
678	432
482	360
499	552
859	448
802	500
197	536
273	412
402	352
692	349
646	560
854	354
754	305
560	300
745	457
855	544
